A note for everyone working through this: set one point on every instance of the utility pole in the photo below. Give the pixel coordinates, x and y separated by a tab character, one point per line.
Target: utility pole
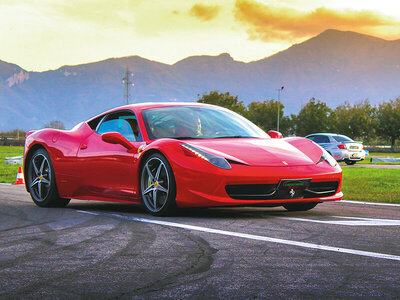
127	82
279	101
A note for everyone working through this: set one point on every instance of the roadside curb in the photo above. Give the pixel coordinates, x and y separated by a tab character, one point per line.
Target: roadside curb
368	203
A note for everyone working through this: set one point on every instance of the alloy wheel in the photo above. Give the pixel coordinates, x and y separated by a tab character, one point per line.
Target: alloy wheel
155	184
40	177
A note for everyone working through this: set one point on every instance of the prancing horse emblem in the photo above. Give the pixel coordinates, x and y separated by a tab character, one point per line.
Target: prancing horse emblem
292	192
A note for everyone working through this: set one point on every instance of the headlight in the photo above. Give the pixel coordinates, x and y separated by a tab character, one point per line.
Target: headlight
328	158
215	160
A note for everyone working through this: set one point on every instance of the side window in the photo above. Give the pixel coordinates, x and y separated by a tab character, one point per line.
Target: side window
124	122
95	122
320	139
312	137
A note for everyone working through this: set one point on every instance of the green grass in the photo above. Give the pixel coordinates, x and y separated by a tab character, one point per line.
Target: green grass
8	173
369	184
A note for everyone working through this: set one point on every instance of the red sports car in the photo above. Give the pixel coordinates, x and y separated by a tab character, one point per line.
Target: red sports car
172	155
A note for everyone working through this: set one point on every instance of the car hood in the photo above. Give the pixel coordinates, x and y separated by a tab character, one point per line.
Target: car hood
263	152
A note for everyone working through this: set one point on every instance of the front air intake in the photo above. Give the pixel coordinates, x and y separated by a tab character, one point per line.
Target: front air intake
278	191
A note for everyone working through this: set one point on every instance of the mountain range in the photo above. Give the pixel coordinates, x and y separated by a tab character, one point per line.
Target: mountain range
334	66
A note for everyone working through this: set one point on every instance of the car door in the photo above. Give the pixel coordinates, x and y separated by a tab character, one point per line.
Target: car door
109	171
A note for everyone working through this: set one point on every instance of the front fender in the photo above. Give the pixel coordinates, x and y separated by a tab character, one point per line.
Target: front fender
308	147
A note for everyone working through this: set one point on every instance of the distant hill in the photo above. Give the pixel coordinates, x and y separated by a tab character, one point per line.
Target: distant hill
333	66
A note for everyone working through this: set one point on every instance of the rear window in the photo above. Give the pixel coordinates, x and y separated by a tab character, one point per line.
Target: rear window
321	139
93	123
342	138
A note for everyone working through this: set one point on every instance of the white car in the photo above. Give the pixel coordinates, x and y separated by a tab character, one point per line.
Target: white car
341	147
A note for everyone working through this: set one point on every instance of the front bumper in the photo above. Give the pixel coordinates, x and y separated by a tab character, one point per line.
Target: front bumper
207	186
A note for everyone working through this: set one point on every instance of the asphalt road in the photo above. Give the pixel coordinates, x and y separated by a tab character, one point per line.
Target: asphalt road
97	250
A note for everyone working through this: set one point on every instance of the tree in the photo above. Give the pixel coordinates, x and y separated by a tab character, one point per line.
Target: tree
16	133
357	121
225	100
264	115
388	117
56	124
313	117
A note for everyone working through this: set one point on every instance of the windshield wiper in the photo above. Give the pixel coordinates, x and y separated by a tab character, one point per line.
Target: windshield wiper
210	137
233	137
185	137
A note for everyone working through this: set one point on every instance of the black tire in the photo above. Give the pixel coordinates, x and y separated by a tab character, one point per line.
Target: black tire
41	181
157	186
350	162
300	206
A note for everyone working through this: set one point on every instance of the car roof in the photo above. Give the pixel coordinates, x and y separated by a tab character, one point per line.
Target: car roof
138	107
325	133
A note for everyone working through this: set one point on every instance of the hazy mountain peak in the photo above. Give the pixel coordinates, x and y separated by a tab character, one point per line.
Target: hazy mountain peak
8	69
335	35
334	66
223	57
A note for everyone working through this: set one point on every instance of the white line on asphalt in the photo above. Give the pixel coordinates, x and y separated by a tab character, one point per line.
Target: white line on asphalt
351	221
1	183
252	236
88	212
368	203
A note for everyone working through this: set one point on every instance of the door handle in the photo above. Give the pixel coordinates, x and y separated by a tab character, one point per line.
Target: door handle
83	146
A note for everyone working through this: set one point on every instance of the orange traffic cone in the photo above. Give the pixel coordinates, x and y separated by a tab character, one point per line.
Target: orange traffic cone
20	177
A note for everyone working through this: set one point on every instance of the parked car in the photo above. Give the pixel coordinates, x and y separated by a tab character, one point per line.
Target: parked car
341	147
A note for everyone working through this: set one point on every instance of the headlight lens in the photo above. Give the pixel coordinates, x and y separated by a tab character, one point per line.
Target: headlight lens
328	158
215	160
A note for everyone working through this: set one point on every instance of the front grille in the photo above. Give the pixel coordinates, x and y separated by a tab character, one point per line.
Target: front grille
273	191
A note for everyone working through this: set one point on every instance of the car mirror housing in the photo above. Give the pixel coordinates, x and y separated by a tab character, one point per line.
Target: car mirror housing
275	134
117	138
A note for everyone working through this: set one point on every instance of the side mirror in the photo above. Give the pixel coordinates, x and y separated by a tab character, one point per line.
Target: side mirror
275	134
117	138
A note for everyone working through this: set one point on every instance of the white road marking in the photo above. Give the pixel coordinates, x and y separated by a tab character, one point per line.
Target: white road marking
87	212
368	203
351	221
1	183
252	236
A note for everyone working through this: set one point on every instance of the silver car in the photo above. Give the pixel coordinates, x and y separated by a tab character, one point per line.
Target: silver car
341	147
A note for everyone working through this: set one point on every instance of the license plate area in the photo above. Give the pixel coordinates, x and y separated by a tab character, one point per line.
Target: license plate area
292	188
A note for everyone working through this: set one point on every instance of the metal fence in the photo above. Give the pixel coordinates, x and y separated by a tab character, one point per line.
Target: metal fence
382	148
11	142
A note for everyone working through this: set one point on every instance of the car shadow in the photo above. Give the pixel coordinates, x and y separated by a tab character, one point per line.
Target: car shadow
247	212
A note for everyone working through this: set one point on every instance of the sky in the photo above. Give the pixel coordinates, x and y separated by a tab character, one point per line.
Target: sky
40	35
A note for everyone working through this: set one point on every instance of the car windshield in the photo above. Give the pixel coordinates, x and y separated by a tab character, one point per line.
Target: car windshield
195	122
342	138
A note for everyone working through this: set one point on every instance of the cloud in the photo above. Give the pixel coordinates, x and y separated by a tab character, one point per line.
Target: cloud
204	12
100	12
269	23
